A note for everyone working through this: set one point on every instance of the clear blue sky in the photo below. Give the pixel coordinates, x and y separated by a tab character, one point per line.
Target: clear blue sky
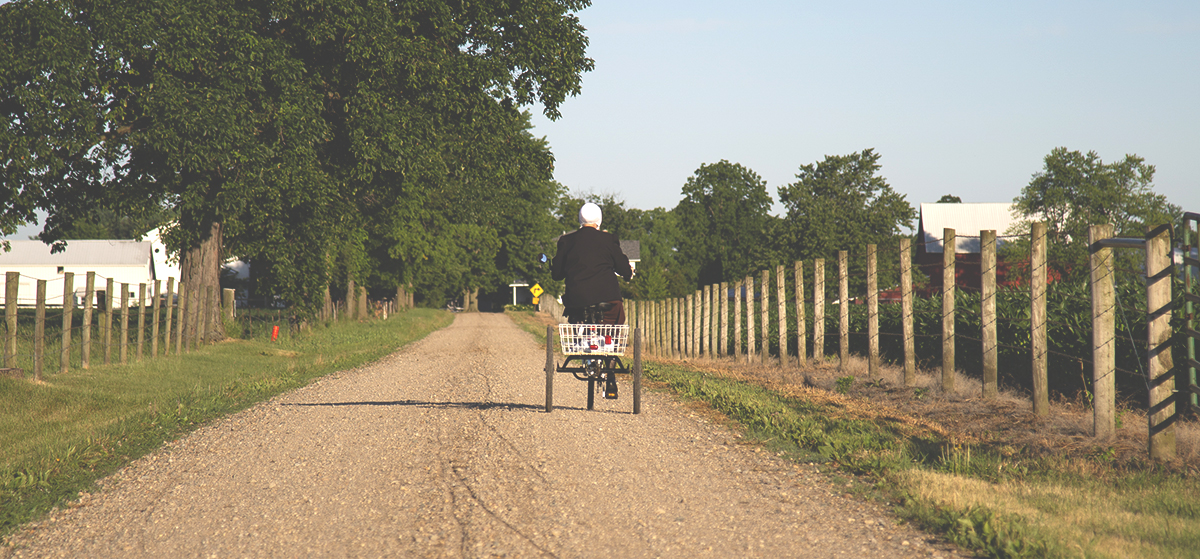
962	98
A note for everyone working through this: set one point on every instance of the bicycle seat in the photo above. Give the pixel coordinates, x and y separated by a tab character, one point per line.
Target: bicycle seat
599	306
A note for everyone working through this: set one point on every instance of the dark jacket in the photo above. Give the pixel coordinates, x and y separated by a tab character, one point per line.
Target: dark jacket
590	261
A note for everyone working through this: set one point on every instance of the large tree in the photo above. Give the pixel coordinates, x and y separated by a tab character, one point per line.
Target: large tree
277	129
843	203
724	224
1076	190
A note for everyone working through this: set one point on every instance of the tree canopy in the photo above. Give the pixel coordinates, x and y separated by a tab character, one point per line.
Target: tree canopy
724	223
843	203
297	134
1075	190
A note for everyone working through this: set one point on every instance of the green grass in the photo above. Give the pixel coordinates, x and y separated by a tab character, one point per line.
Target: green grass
60	436
994	500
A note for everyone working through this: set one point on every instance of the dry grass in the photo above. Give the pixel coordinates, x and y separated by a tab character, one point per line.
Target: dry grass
1105	499
962	416
1095	520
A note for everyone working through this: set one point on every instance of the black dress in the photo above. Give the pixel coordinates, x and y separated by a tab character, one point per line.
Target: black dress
590	261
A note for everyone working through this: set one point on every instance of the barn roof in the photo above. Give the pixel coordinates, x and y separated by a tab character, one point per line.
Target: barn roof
103	252
632	250
967	220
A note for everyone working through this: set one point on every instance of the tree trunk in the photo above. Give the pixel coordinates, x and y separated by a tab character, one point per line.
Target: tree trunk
200	267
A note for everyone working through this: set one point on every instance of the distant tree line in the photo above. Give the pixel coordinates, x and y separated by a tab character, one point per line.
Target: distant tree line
388	144
722	228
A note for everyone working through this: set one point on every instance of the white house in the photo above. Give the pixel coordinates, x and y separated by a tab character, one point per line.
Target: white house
130	262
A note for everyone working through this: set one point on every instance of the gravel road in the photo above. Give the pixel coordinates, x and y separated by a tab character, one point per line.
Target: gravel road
442	450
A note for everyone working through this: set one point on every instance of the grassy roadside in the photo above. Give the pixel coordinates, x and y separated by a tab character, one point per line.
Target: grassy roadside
1000	499
60	436
991	498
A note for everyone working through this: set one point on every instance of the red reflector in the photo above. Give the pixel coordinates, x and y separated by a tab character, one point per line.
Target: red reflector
594	346
608	339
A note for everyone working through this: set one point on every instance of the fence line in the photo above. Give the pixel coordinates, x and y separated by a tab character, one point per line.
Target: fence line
704	336
91	322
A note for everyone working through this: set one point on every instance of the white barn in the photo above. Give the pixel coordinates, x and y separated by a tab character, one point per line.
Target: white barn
130	262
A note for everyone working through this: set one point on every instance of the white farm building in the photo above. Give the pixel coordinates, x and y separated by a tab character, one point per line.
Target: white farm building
129	262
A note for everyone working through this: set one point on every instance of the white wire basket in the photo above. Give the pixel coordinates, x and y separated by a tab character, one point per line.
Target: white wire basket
593	339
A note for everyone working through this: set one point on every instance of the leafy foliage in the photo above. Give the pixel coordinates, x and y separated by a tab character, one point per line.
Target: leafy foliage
313	132
842	203
1076	190
724	226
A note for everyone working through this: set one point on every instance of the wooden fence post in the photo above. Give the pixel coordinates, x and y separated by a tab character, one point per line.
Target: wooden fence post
228	303
12	286
110	297
155	307
818	351
987	312
652	335
696	301
711	324
673	312
686	315
781	311
1160	364
801	350
667	338
1104	361
723	310
195	309
85	334
656	307
39	331
750	345
949	290
123	350
710	333
207	310
169	304
737	320
906	312
68	308
1037	318
363	304
181	317
645	318
765	322
352	291
681	330
843	310
141	334
872	312
661	324
685	329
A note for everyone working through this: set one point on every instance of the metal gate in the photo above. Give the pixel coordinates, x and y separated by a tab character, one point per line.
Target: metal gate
1191	301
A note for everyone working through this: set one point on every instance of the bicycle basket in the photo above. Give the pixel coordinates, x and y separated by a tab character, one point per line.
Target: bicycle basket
593	339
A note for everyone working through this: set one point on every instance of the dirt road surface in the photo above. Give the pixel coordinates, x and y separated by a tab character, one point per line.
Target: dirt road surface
443	450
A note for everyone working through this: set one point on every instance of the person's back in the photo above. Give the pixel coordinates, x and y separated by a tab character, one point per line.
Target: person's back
590	260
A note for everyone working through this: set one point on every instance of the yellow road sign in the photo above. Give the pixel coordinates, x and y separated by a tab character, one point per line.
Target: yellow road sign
536	290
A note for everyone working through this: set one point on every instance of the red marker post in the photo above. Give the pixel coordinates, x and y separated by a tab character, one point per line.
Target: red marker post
275	333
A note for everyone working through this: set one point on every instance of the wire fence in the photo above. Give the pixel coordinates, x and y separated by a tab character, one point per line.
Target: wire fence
1038	347
59	324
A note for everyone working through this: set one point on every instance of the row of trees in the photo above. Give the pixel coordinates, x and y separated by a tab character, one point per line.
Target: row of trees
386	143
323	141
722	230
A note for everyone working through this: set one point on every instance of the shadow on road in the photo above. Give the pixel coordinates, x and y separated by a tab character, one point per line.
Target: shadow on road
448	405
418	403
